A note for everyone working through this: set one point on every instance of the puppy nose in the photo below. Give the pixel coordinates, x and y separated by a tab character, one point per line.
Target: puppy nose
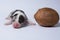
16	25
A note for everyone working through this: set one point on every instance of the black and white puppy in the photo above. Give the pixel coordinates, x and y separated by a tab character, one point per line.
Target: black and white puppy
19	19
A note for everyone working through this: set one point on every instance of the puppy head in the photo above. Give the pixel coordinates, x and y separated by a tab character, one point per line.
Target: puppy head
17	14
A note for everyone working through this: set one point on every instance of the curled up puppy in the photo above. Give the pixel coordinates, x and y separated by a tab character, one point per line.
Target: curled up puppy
18	19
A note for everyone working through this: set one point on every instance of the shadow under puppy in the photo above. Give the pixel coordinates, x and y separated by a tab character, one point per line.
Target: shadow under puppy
19	19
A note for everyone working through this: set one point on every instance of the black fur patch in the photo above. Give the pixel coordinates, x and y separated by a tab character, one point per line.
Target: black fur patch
21	19
16	11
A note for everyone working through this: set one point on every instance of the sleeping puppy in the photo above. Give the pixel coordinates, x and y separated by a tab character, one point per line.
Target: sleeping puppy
19	19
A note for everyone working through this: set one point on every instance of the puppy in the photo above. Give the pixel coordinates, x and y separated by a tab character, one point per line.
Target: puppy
19	19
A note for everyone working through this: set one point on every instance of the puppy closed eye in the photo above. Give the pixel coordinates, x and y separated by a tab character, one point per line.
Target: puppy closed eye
15	14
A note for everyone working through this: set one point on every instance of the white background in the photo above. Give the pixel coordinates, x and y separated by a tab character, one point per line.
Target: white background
30	7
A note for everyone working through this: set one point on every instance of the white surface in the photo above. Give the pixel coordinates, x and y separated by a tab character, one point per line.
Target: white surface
30	32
